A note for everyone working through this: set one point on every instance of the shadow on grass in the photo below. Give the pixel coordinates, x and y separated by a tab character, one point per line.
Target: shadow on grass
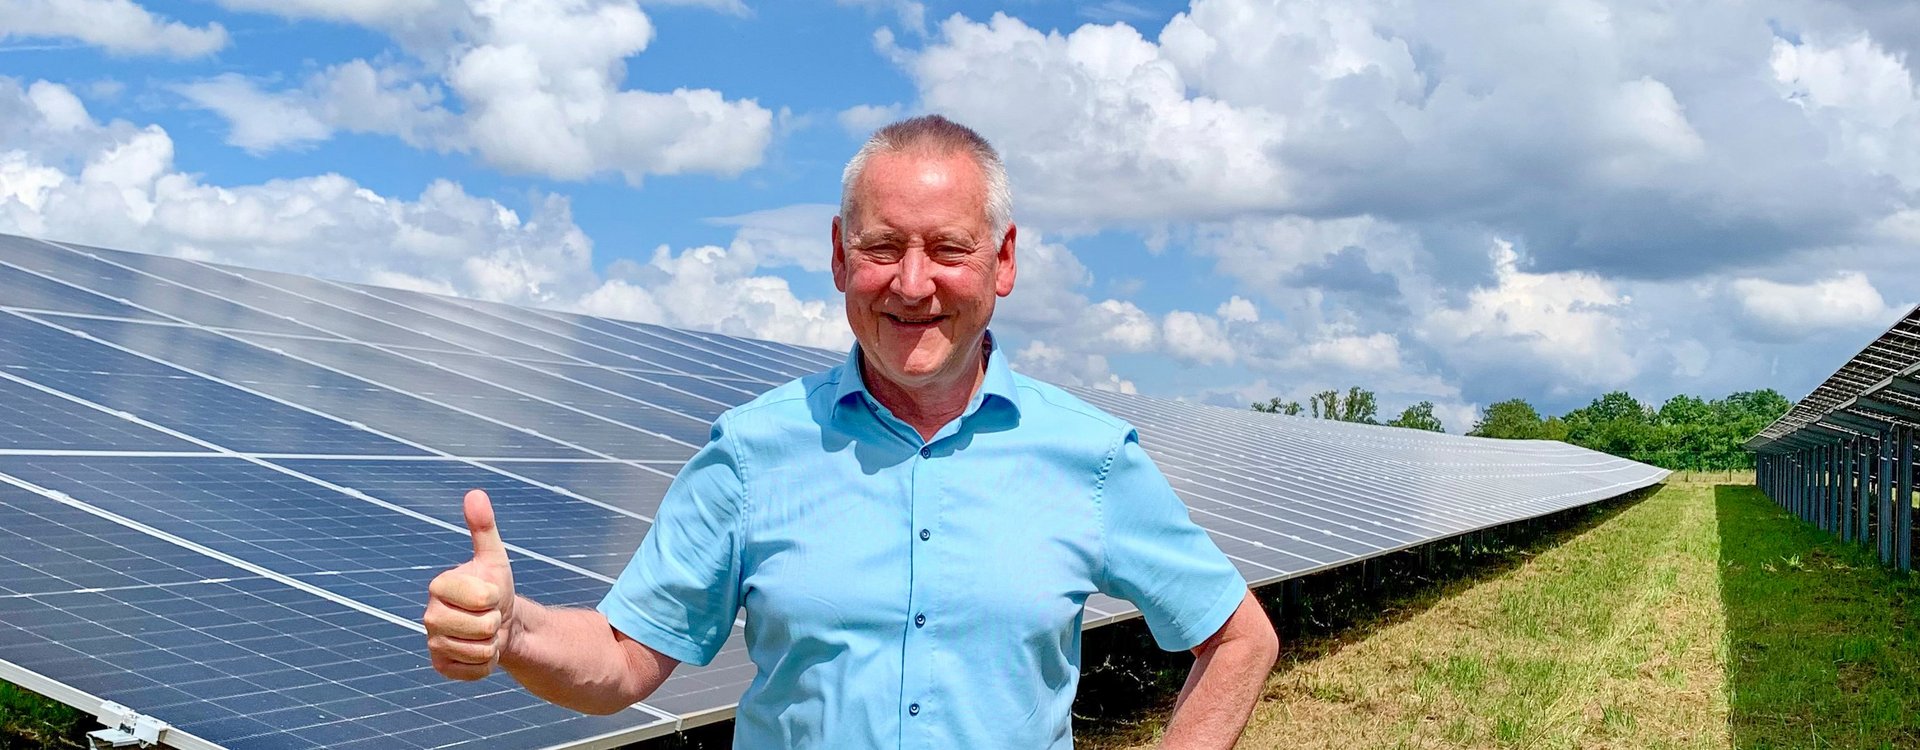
1128	685
1823	642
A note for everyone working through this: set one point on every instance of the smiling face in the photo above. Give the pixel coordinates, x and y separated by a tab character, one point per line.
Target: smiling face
921	269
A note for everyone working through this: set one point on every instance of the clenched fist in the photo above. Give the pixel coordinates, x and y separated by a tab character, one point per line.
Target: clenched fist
470	608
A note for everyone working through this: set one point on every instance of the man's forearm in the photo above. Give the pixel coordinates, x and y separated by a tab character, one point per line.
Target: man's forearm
575	659
1228	674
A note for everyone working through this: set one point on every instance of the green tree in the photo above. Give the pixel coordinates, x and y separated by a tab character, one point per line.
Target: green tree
1276	406
1513	419
1615	423
1419	417
1358	405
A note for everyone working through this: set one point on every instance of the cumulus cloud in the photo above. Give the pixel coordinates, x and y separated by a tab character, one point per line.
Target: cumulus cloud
1844	301
118	26
256	121
1636	139
1196	339
538	84
1566	326
1238	309
860	120
1054	364
798	235
1372	353
67	176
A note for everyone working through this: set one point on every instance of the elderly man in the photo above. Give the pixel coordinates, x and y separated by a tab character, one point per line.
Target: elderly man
912	534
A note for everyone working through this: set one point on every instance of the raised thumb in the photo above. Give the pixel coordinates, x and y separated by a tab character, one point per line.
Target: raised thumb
487	546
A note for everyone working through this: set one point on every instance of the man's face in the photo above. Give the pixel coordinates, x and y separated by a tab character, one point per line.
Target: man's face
919	267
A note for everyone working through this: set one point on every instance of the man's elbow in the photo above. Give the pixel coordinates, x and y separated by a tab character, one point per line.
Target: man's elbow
1263	642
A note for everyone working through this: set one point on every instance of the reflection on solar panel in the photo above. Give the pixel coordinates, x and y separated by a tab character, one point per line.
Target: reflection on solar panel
225	491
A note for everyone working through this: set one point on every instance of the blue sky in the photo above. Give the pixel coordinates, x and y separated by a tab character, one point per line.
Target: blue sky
1220	200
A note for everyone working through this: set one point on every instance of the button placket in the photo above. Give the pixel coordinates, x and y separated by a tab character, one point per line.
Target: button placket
923	510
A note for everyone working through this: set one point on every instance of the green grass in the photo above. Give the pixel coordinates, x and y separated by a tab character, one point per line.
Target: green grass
28	720
1699	617
1824	643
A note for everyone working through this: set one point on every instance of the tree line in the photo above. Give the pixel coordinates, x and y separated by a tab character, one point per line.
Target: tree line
1684	434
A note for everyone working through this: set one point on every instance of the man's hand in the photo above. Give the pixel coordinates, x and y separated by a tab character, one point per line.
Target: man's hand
470	608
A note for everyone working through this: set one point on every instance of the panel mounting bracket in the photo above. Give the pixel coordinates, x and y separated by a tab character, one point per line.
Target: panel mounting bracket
126	728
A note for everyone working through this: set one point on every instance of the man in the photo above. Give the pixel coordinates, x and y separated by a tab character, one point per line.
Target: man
912	534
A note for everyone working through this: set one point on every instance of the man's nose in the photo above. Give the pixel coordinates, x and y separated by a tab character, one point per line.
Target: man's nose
913	280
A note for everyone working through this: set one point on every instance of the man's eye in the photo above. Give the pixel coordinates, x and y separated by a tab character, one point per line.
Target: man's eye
950	253
882	253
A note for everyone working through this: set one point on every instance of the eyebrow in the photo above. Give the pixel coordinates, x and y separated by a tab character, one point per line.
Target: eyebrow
892	235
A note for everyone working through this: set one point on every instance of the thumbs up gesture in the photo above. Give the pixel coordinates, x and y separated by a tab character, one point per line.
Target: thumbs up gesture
470	608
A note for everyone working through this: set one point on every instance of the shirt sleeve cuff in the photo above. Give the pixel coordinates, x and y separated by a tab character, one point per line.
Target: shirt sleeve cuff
1196	633
636	625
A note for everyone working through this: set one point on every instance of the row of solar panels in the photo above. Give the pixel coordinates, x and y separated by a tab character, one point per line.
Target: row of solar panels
1875	390
227	488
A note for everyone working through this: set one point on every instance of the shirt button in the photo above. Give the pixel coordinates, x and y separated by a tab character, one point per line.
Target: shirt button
919	621
925	535
913	710
926	451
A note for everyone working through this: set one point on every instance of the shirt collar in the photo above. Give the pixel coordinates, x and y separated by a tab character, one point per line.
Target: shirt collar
996	386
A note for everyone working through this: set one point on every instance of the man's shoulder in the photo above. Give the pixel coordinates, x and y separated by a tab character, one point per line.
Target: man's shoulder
785	405
1052	403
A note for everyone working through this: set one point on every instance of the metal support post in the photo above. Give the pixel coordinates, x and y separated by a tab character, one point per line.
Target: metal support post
1903	504
1866	493
1292	592
1883	512
1830	509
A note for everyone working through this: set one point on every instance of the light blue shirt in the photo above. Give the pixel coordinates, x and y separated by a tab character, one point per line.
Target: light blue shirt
908	593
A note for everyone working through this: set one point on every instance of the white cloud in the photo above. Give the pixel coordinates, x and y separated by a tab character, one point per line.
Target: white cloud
1097	124
1047	362
860	120
1861	96
1121	326
65	176
118	26
256	121
1195	338
1568	324
714	288
798	235
1375	354
538	84
730	7
1846	300
1238	309
1628	138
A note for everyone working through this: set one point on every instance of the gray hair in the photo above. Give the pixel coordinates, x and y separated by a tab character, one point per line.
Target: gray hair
935	135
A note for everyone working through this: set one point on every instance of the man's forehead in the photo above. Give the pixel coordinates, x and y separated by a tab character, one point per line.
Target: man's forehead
932	194
913	175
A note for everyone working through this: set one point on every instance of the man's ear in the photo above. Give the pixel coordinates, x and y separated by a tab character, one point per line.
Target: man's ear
1003	282
839	259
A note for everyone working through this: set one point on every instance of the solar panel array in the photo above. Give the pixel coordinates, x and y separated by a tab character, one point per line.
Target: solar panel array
226	489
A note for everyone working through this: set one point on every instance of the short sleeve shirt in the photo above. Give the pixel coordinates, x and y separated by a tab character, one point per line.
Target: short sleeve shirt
911	593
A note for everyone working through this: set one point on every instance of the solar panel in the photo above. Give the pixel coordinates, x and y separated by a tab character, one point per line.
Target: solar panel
196	461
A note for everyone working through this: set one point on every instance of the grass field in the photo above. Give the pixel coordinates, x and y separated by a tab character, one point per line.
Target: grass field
1698	616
